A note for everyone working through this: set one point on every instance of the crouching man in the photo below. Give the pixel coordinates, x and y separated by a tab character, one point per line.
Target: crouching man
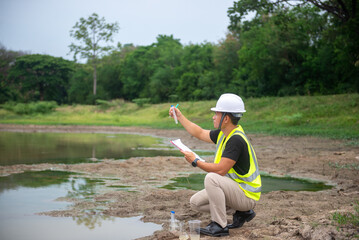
233	183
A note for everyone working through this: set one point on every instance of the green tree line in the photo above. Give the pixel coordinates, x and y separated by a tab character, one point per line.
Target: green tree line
283	50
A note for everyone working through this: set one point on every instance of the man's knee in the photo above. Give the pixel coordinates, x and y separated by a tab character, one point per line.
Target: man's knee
211	179
194	203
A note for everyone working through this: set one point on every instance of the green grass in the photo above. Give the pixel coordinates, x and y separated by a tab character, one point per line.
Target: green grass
348	218
350	166
333	116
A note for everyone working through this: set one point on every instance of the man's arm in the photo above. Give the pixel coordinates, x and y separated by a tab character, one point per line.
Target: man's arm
221	168
192	128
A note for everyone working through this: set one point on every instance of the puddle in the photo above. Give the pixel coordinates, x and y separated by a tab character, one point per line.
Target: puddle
45	228
22	195
70	148
270	183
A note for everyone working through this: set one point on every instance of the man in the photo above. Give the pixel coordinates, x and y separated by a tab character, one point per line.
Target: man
233	182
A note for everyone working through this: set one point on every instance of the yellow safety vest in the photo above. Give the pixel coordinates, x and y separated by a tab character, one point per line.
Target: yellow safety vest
250	183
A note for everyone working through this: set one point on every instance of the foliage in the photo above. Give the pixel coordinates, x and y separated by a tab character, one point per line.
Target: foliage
109	71
296	50
41	77
348	218
300	115
141	101
80	85
7	60
30	108
197	61
152	71
283	50
103	104
91	32
344	10
350	166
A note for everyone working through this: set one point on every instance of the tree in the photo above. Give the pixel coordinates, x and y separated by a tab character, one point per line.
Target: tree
134	73
91	33
166	58
345	17
42	77
225	58
7	59
276	53
80	85
345	10
196	61
294	47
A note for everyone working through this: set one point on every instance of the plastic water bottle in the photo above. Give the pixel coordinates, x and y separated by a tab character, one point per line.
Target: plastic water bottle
173	225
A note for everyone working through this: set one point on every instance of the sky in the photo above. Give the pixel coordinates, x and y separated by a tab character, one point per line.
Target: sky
43	26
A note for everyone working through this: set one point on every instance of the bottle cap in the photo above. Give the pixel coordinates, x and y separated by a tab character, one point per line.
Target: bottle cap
172	211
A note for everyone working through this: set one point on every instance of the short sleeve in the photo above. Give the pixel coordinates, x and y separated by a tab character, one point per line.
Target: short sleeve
237	150
234	148
213	134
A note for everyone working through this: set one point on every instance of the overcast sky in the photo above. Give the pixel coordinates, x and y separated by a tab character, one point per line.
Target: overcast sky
43	26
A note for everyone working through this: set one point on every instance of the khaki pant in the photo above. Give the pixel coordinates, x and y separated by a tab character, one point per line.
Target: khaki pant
221	195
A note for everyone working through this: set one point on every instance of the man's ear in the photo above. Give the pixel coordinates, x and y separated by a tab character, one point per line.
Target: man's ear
227	119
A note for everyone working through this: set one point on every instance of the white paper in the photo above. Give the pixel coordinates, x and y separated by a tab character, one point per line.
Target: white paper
178	143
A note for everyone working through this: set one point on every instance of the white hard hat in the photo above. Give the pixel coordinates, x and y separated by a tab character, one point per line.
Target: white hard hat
230	103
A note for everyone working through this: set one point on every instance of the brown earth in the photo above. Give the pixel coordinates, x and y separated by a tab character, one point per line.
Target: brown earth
280	214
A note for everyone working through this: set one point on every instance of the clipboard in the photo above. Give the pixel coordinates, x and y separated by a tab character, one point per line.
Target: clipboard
178	143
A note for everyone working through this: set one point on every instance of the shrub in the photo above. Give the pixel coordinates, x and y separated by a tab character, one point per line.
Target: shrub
141	101
30	108
103	104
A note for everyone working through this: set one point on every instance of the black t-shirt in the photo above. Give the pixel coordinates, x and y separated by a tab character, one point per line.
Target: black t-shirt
236	149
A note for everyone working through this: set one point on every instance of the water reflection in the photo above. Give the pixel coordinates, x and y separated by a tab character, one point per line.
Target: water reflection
77	187
63	184
22	195
92	220
69	148
82	188
33	180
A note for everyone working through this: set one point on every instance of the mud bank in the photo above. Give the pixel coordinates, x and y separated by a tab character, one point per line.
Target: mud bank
280	215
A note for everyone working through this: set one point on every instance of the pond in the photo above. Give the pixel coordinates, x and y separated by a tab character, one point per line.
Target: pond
269	183
25	194
70	148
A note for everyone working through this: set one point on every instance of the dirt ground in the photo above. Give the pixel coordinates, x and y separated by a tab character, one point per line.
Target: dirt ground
280	214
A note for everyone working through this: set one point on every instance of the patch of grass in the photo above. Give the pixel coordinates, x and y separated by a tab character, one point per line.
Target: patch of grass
333	116
350	166
42	107
347	218
353	142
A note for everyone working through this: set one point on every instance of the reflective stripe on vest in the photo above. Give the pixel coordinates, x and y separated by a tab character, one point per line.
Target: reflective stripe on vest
244	181
255	174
